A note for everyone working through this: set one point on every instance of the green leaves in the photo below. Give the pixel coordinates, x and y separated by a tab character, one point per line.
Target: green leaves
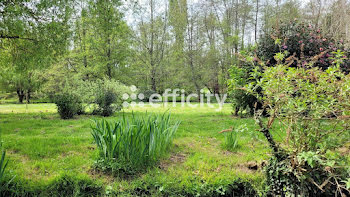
135	143
347	183
310	103
311	158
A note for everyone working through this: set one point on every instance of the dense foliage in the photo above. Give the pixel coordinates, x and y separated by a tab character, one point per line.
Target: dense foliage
302	41
239	77
311	105
68	104
129	146
106	96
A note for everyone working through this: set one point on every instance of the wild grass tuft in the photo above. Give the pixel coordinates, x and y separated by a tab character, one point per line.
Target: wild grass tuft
232	138
130	145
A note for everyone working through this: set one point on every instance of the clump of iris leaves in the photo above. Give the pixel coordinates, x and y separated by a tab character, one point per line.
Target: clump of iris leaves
129	145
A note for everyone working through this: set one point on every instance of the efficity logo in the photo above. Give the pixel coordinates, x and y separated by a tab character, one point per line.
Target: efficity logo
174	97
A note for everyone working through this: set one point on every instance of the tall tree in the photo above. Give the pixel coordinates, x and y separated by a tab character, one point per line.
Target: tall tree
152	37
32	35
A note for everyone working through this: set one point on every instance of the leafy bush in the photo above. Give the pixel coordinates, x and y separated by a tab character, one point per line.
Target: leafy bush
104	100
104	95
195	187
312	105
239	78
128	146
147	93
301	41
68	105
239	98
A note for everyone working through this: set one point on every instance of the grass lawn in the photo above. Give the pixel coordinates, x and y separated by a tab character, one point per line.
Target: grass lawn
41	147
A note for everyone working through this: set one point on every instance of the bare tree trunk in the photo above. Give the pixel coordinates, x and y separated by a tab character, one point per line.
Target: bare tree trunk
236	25
20	94
256	20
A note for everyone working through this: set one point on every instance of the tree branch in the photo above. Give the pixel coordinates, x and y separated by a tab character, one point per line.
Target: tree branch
2	36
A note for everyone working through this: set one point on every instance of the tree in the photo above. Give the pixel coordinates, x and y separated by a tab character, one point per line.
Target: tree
32	36
152	39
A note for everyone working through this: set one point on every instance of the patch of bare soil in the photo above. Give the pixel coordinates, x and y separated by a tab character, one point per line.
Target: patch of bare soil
229	153
345	151
94	173
250	167
174	159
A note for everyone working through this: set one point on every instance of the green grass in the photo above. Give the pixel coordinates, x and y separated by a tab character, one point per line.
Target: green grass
41	147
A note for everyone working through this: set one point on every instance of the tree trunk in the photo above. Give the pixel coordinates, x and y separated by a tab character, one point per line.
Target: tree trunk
256	20
20	94
28	96
153	80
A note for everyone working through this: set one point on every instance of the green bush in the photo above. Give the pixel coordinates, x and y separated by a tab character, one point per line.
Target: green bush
104	101
196	187
105	96
68	105
240	99
130	145
312	105
303	42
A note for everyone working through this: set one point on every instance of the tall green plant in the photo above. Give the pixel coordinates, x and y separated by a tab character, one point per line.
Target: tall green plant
3	165
130	145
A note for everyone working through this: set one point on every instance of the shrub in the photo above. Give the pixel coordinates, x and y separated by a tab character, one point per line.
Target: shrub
128	146
312	105
240	99
239	78
147	93
68	105
105	96
301	41
104	100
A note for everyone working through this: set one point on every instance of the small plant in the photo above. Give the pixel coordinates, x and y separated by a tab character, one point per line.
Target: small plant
231	141
130	145
232	137
68	105
3	164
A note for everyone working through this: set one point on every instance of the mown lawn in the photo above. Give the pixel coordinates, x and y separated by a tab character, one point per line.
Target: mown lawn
41	147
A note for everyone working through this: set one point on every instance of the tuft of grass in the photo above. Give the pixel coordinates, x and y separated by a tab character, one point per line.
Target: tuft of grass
232	138
231	141
132	145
